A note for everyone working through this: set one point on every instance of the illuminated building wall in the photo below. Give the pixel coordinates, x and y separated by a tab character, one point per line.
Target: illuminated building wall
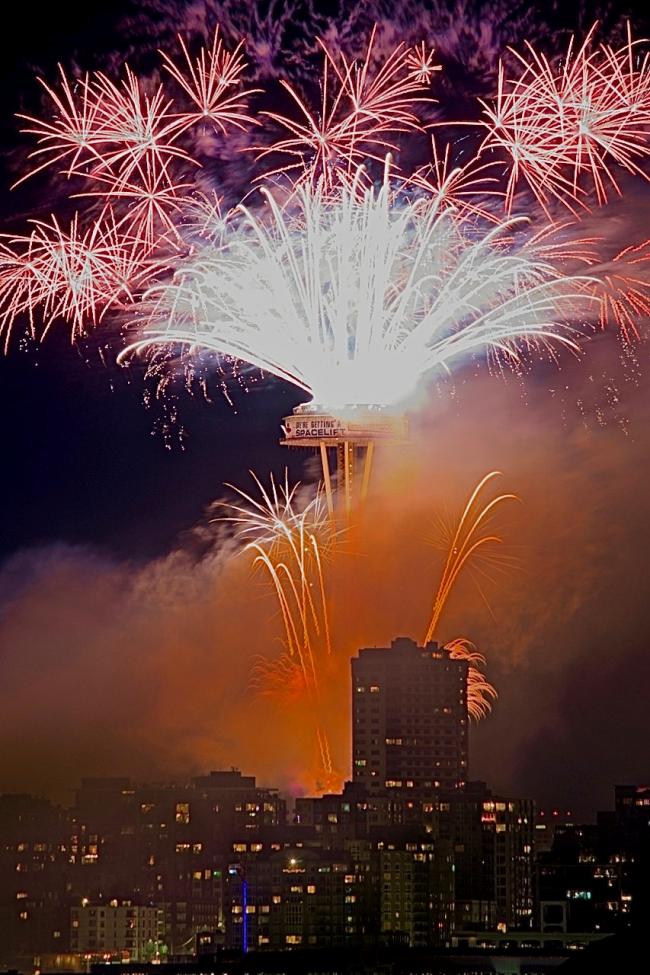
510	825
394	886
409	712
34	909
291	897
165	845
494	856
416	879
126	930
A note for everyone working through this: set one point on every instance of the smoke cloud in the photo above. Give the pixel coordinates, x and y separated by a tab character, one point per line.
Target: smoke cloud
117	667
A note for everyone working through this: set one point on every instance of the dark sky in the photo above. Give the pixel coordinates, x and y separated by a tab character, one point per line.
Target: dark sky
92	489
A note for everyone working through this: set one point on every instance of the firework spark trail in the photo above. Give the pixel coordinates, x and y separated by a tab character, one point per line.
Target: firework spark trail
103	127
355	300
73	274
480	693
214	84
125	141
625	292
108	129
471	536
286	542
558	124
362	109
466	190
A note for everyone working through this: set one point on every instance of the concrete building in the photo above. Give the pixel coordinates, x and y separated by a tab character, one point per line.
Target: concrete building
125	930
409	713
291	898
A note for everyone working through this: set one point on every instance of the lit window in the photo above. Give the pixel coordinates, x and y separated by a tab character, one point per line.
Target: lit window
182	812
311	888
374	688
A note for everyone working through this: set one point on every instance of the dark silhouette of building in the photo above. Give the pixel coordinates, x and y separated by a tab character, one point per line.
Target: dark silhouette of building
595	876
410	855
494	855
34	868
409	714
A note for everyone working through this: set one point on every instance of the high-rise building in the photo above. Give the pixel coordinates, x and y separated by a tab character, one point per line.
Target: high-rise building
409	713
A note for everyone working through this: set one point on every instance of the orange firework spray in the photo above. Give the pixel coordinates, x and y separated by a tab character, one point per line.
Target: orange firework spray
472	536
287	541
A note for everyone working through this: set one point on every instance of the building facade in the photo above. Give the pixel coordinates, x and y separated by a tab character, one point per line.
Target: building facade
125	931
409	718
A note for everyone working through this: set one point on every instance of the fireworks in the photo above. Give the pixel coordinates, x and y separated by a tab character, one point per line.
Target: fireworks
355	300
100	127
141	145
213	82
286	542
480	693
339	264
461	189
360	111
71	274
565	127
469	540
290	538
625	294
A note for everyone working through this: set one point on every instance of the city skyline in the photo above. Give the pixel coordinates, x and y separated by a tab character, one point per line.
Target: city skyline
114	576
218	866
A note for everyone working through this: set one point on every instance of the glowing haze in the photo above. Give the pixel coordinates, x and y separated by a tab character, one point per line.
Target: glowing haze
352	283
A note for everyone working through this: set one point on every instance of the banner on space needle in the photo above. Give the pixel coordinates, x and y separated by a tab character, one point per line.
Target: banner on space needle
303	429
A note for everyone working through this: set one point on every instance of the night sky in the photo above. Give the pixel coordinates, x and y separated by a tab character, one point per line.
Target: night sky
101	499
